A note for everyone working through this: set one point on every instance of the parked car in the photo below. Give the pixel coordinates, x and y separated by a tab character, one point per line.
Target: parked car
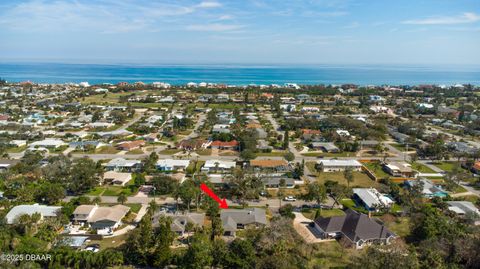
93	248
290	199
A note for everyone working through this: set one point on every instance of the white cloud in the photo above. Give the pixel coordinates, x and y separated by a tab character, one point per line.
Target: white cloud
467	17
225	17
209	4
214	27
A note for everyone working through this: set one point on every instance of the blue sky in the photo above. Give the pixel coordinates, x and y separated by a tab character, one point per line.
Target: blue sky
247	31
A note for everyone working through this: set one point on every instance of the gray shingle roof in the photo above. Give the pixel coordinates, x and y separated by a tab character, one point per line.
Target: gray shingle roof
355	226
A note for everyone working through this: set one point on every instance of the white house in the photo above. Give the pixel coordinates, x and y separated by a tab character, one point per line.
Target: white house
218	165
43	210
101	218
48	143
172	165
371	199
338	165
117	178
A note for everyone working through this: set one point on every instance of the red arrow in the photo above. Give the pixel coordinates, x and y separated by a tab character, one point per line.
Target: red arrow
209	192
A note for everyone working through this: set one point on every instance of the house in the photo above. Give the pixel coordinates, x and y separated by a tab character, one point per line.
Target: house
309	134
104	219
48	143
181	220
192	144
354	229
18	143
236	219
476	168
325	147
429	190
465	208
461	147
116	178
19	210
120	164
277	182
371	199
85	144
288	107
338	165
399	169
131	145
269	165
231	145
310	109
343	133
216	166
172	165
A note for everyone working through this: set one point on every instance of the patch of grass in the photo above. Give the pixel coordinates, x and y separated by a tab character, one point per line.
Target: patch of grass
329	154
110	242
169	151
116	190
135	151
107	150
331	255
399	146
204	152
310	213
16	149
360	179
272	154
97	191
446	166
398	225
376	168
422	168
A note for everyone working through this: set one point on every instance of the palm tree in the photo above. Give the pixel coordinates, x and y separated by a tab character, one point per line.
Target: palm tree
97	200
122	198
348	175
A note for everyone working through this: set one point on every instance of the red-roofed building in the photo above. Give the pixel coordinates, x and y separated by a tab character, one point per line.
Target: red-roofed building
4	117
476	168
131	145
309	134
217	144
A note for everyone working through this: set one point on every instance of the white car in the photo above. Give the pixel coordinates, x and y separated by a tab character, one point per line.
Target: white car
290	199
92	249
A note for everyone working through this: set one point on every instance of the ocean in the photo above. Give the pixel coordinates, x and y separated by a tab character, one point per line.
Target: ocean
241	74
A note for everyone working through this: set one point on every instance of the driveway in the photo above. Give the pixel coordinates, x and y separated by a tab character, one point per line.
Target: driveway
309	234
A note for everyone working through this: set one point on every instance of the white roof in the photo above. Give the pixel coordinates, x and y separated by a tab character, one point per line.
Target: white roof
48	142
45	211
221	164
340	163
371	197
172	162
462	207
122	162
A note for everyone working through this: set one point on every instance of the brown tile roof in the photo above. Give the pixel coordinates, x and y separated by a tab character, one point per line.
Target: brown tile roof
310	131
218	143
131	145
268	163
253	126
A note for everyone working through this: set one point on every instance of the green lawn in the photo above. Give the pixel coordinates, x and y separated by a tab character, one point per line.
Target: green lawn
16	149
329	154
310	213
376	169
331	255
97	191
271	154
399	146
446	166
360	179
135	151
169	151
116	190
107	150
398	225
204	152
422	168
